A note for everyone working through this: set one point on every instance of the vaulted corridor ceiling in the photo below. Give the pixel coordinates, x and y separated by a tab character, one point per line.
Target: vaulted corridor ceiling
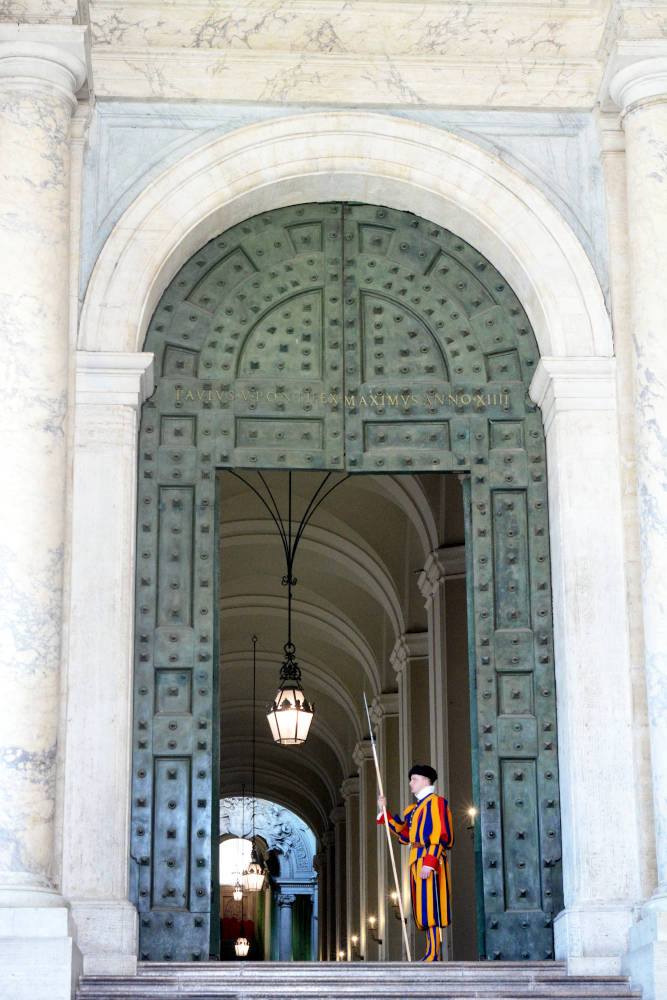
357	591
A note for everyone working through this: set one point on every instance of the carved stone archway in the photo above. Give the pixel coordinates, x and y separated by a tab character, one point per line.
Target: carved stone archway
442	177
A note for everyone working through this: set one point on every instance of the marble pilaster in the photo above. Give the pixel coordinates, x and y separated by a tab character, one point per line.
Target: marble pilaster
385	717
350	792
368	854
410	661
431	583
338	817
320	866
329	844
639	89
600	873
285	901
612	141
110	389
41	68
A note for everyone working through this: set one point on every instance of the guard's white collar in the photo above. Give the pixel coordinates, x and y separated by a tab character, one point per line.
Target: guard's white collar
424	792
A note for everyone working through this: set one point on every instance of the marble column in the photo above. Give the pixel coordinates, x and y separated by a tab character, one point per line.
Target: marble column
285	902
329	843
337	817
409	659
639	89
41	68
612	143
384	716
110	389
350	792
577	397
320	866
314	925
368	854
431	582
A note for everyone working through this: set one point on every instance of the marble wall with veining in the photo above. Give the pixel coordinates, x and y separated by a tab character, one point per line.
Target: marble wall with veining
129	145
435	52
339	26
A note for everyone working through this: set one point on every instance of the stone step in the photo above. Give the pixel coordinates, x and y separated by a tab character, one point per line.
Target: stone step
354	981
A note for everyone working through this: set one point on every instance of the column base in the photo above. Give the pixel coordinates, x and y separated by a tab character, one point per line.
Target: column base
38	957
592	939
646	960
107	935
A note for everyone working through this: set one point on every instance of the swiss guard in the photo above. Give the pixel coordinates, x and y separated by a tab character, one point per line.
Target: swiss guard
427	827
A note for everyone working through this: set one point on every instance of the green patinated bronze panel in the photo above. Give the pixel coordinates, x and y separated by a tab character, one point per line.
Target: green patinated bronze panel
354	337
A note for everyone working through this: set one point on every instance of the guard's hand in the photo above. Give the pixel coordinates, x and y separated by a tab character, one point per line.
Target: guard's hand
382	802
426	872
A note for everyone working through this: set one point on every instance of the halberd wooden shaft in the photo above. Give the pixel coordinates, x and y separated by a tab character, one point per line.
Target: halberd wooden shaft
389	843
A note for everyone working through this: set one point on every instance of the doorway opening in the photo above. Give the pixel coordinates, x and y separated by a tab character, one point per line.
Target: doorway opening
280	920
351	338
363	595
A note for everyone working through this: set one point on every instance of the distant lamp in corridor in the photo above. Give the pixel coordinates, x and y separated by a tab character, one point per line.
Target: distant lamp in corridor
341	956
372	923
237	894
253	876
394	902
472	813
290	713
241	945
354	941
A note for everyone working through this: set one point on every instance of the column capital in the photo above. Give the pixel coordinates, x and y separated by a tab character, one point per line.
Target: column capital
636	73
432	575
363	750
285	899
349	787
109	377
43	55
573	384
384	706
328	839
338	815
441	564
408	645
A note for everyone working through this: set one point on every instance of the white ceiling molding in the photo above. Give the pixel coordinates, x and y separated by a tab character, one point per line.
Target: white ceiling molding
323	730
319	672
339	630
360	561
407	494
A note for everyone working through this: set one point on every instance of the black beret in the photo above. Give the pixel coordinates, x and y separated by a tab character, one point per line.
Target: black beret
425	770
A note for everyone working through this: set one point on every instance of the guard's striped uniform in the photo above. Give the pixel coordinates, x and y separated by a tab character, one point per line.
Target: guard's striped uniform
427	827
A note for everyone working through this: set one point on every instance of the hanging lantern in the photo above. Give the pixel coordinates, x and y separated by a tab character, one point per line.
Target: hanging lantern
290	714
253	876
237	894
241	945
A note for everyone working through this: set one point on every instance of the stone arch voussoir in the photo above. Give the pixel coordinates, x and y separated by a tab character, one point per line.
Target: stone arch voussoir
356	156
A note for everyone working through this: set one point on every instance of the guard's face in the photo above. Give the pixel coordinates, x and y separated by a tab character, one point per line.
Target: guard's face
417	782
